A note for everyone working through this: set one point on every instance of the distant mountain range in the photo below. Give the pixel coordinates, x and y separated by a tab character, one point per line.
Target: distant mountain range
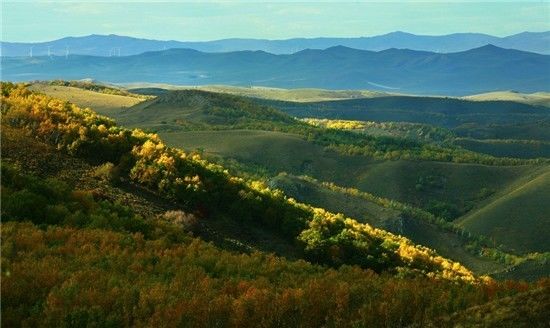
479	70
115	45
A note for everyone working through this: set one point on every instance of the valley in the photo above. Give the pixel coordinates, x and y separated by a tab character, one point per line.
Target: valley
265	145
281	164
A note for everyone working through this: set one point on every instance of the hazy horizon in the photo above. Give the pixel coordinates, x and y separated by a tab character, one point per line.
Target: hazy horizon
209	21
274	39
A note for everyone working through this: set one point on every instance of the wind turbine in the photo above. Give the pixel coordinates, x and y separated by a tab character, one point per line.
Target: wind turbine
30	51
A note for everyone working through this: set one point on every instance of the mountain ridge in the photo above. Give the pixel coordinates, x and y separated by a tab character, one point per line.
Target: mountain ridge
479	70
114	45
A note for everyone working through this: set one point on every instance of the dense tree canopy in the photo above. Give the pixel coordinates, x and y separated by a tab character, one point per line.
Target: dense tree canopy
73	259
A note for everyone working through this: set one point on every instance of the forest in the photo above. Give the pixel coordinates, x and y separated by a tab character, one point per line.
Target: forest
102	264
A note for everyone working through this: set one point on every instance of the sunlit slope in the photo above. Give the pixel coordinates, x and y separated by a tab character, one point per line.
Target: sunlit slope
420	231
447	189
537	98
518	217
102	103
210	122
234	127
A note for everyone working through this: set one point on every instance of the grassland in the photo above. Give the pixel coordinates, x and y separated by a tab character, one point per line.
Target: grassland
517	216
105	104
314	95
537	98
507	148
298	95
421	183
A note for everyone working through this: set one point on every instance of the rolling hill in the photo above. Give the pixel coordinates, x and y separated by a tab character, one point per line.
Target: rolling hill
231	127
449	243
112	45
261	141
298	95
537	98
517	217
477	119
203	189
106	104
479	70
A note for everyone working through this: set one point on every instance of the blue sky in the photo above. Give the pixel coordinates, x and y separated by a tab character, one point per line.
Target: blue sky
40	20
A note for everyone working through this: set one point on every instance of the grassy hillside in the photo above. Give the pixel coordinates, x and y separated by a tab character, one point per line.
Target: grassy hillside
103	103
517	217
299	95
537	98
446	112
195	110
507	148
450	186
500	128
441	136
438	187
537	131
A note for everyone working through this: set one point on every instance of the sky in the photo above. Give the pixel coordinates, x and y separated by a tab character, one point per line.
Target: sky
40	20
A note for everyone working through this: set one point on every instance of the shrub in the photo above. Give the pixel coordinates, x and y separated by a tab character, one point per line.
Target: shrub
24	205
106	172
186	221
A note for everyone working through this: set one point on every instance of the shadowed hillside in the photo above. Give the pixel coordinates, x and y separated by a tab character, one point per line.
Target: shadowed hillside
445	112
517	217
